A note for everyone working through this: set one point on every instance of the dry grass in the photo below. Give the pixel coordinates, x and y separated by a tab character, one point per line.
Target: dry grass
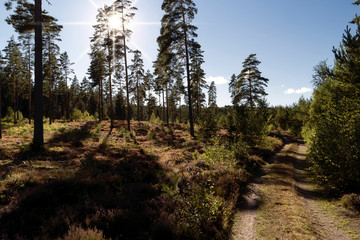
282	216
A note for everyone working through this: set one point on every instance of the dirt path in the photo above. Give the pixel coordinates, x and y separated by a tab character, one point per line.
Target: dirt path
284	204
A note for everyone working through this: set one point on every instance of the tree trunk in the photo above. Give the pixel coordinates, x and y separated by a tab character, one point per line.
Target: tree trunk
163	107
127	83
138	98
191	120
29	81
180	110
50	82
110	87
38	140
167	104
14	95
17	98
0	103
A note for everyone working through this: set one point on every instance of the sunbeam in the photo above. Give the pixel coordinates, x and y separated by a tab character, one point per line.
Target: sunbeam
94	4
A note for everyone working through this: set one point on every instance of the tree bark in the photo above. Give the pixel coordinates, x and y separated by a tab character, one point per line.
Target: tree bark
29	81
127	82
191	120
110	86
38	140
0	103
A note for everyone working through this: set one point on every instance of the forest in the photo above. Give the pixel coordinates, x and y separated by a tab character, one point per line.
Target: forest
134	153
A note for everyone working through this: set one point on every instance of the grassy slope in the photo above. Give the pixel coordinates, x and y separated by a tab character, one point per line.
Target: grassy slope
155	181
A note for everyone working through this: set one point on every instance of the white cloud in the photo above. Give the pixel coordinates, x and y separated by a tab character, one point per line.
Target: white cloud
298	91
218	80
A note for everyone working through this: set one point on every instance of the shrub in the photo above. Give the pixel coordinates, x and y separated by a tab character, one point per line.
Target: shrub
351	202
78	233
9	117
77	115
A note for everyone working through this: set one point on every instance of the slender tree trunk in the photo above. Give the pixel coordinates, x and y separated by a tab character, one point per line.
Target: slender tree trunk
29	81
99	106
38	140
191	120
167	104
0	104
110	87
127	82
50	82
180	109
14	98
163	106
17	98
159	109
138	99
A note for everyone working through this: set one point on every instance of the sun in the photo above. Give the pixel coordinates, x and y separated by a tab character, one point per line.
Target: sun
115	21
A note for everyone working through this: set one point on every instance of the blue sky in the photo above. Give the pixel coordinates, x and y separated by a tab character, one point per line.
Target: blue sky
289	37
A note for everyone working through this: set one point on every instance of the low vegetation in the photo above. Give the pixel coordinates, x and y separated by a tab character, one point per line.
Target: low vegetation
93	182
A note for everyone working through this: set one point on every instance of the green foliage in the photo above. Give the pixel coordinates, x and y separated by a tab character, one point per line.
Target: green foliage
333	132
248	125
200	211
9	117
155	119
77	115
293	118
334	135
217	156
151	134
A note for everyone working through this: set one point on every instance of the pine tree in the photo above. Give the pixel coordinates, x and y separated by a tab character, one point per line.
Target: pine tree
66	70
14	69
38	140
197	76
212	95
127	13
97	72
175	35
248	88
27	43
1	81
136	80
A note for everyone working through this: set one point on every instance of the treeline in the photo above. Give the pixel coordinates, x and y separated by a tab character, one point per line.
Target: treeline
333	129
117	85
330	121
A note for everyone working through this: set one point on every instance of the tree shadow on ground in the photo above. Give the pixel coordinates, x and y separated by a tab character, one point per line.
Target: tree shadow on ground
118	195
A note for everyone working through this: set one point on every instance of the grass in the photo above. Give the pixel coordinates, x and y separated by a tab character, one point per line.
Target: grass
282	215
96	183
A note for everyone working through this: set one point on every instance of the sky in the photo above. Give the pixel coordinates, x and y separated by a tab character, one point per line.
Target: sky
288	37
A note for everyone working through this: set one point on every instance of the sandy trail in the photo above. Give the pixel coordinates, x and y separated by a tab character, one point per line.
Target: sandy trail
284	204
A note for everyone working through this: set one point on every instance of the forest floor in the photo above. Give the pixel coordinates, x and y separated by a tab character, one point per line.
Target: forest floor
154	182
284	203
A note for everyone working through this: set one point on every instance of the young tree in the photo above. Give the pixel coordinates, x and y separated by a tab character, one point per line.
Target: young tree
248	88
212	95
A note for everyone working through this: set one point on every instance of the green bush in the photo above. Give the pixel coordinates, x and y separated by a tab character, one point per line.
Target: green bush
77	115
9	117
